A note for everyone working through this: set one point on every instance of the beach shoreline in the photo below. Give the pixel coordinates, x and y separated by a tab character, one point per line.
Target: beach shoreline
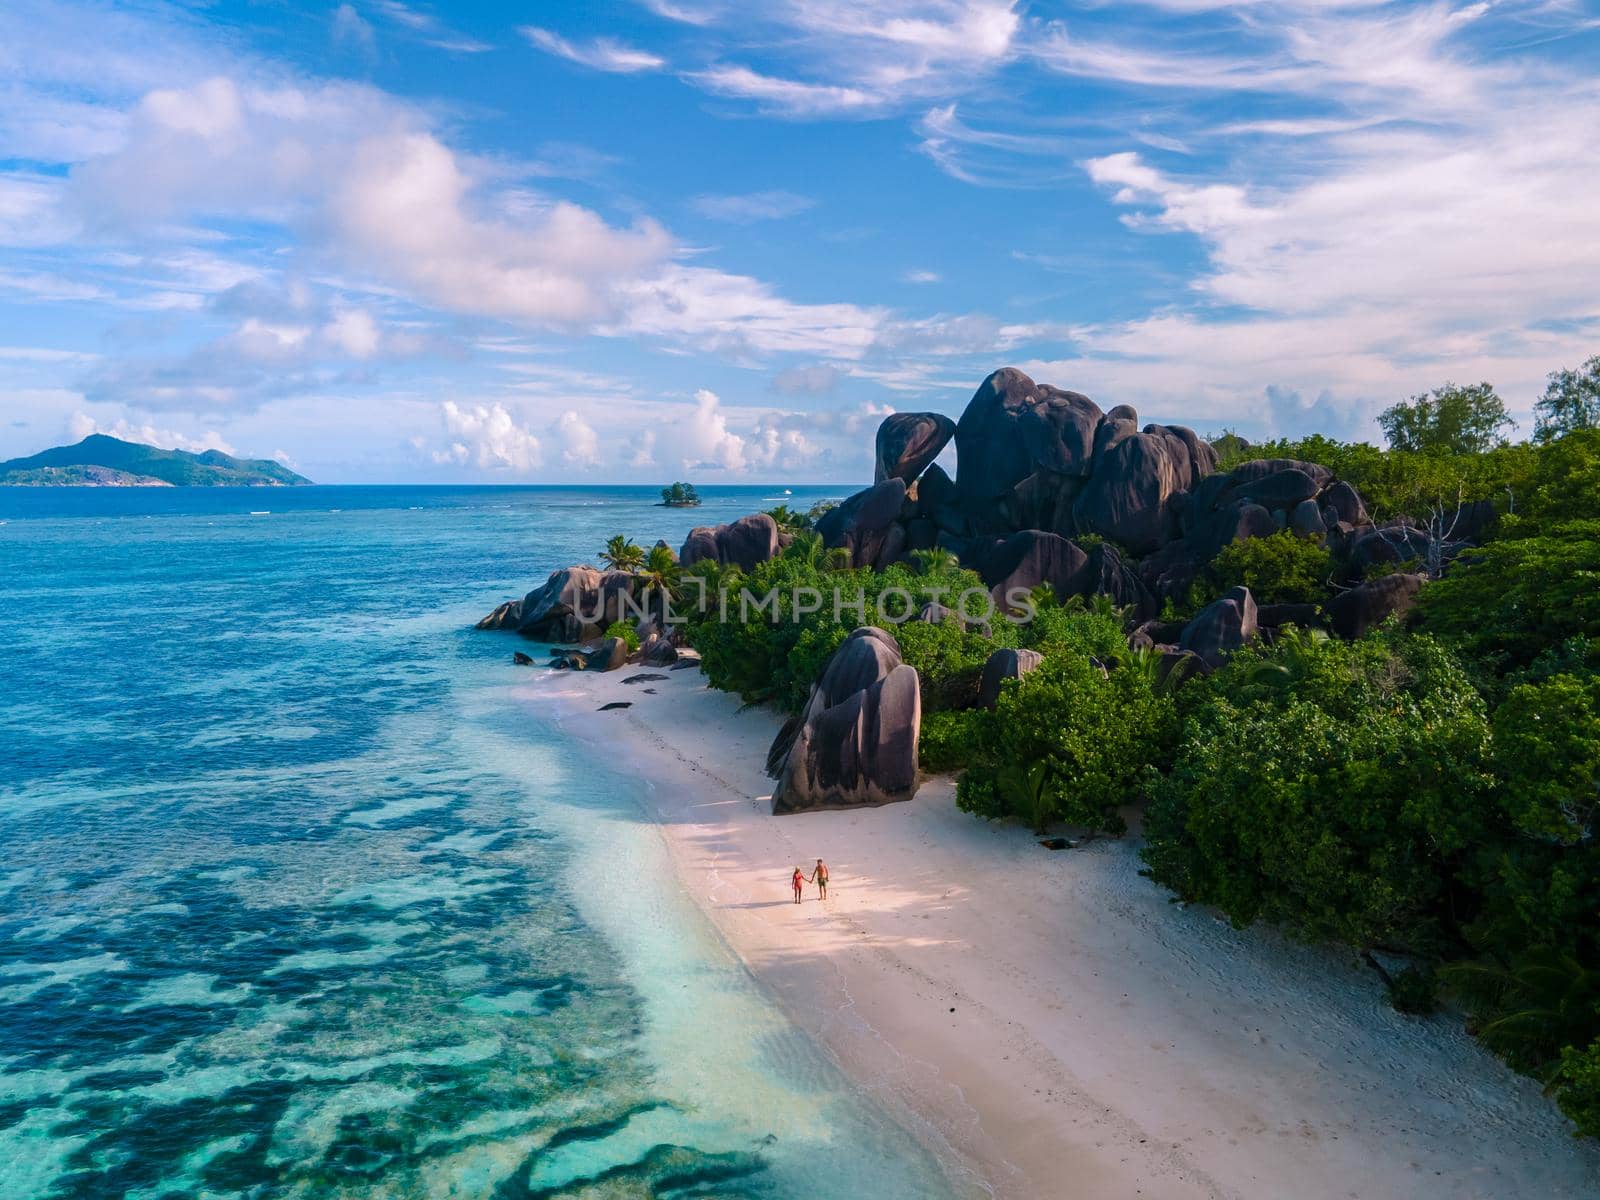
1050	1023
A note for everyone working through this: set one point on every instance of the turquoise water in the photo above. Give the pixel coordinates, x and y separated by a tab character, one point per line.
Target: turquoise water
296	900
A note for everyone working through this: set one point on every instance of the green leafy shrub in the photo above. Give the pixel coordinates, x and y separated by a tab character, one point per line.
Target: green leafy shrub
625	631
1518	597
951	741
1073	629
1281	569
1095	734
1333	800
1577	1087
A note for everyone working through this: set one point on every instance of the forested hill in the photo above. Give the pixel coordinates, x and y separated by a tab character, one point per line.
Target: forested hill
103	461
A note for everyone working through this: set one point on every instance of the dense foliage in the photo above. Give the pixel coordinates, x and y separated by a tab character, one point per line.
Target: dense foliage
1282	569
1571	402
680	495
1450	419
1329	796
1070	742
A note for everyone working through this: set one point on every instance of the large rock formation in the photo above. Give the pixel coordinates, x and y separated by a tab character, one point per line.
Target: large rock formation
1001	666
1129	496
908	442
1221	627
506	616
868	524
574	605
1025	560
856	742
743	543
1352	613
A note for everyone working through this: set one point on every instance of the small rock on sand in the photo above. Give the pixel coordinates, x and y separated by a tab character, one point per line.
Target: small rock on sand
616	704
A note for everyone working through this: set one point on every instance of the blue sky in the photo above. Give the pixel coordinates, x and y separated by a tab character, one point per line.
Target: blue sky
654	239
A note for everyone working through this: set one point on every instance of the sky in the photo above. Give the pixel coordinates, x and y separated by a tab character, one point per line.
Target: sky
645	240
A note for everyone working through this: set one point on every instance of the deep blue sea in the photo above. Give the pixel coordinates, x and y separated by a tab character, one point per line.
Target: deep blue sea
296	900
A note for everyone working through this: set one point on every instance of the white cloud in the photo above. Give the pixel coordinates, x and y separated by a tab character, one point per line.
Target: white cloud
487	437
741	316
784	97
353	30
351	168
752	206
814	380
580	445
601	54
861	56
922	277
80	425
428	29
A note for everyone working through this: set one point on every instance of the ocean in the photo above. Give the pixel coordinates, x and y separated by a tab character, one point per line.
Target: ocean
296	898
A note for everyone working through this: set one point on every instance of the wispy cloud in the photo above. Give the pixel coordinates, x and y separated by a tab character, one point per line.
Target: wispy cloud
784	97
600	54
752	206
428	29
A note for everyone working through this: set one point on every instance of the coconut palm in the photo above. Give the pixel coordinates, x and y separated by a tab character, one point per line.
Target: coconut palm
935	561
1103	605
622	554
838	559
807	547
1529	1008
659	575
1293	658
1147	664
786	518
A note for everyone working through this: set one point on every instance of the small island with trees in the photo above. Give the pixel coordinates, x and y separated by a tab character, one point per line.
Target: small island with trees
680	495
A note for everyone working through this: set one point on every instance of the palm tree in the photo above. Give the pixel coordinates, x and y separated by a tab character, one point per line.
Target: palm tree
622	554
807	547
1103	605
786	518
1542	1000
1146	663
660	575
1029	792
936	561
1294	655
838	559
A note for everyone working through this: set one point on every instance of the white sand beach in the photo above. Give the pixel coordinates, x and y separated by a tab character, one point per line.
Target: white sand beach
1050	1023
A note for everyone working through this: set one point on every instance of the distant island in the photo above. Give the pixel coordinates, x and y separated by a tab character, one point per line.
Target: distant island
680	495
103	461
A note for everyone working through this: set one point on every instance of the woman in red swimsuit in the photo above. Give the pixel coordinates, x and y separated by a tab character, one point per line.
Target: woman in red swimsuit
799	882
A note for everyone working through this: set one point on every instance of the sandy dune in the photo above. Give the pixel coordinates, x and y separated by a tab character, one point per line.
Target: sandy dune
1050	1023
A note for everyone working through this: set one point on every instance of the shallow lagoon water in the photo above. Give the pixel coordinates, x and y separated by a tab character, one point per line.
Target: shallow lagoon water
297	900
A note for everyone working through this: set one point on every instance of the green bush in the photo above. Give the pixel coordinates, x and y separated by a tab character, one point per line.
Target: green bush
1519	597
1094	734
951	741
1333	798
1281	569
1073	629
1577	1087
625	631
767	655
